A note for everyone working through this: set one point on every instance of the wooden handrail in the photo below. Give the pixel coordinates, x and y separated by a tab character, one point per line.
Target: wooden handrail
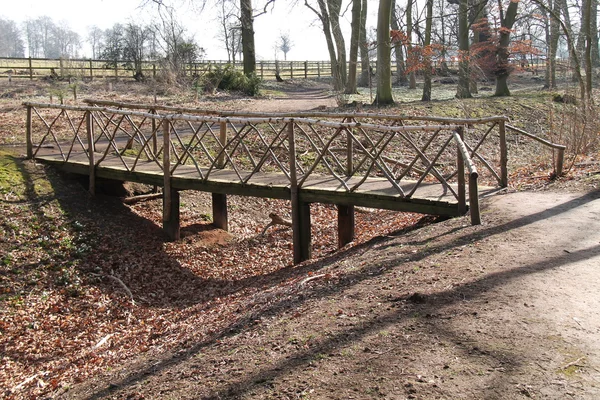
559	147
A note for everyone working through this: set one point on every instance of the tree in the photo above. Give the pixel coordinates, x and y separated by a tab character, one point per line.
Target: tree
412	82
363	46
354	38
230	29
427	54
502	53
384	68
463	90
95	38
323	15
401	78
284	44
247	21
135	47
11	43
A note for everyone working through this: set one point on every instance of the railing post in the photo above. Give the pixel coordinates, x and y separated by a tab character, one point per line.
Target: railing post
89	129
474	200
170	196
28	133
560	158
460	165
300	210
503	154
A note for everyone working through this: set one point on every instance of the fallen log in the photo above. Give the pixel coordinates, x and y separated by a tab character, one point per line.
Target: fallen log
276	220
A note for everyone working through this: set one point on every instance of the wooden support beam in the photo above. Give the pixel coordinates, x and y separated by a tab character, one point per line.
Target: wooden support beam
300	209
219	208
345	225
171	219
474	200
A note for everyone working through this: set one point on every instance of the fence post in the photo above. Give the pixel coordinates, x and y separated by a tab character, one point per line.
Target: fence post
28	133
305	69
503	154
291	70
300	210
116	69
89	129
30	70
319	69
560	157
170	196
61	67
261	71
460	165
91	70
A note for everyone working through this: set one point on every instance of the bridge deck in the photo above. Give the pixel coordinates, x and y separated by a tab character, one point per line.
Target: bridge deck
429	198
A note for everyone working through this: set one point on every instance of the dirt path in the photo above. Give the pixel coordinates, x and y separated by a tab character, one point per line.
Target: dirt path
294	96
505	310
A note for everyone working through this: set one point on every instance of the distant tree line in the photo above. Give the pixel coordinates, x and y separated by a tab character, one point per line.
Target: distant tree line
165	41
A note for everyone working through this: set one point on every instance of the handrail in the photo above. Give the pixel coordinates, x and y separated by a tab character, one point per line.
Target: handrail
197	141
559	147
473	188
299	114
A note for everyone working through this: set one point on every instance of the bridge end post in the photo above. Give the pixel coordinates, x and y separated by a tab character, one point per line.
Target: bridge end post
460	165
219	209
171	224
345	225
503	154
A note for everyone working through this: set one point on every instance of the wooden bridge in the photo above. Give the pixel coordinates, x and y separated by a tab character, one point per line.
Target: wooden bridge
416	164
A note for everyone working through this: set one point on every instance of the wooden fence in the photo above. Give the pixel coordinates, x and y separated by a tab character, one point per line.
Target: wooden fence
35	68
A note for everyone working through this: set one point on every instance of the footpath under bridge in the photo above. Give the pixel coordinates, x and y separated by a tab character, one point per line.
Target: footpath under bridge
423	165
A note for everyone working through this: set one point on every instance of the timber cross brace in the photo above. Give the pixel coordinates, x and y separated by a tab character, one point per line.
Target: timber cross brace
404	163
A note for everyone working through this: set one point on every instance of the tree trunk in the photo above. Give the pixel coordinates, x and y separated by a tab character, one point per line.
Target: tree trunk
553	47
427	70
401	78
503	52
587	29
412	81
594	33
248	50
351	82
384	62
323	15
463	90
364	47
334	14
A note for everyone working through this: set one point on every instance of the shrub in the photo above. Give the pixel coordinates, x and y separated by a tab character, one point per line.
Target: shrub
230	79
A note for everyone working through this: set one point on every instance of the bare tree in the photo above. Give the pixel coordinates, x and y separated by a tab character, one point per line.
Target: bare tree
284	44
11	43
95	38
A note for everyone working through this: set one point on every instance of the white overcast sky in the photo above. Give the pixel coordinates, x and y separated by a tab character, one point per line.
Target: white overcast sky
299	22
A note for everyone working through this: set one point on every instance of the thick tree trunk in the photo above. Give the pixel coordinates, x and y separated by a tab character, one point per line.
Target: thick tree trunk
351	82
364	47
248	50
334	14
503	52
427	70
323	15
384	61
587	29
463	90
553	47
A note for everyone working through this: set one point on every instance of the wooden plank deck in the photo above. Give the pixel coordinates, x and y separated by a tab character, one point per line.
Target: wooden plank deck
375	192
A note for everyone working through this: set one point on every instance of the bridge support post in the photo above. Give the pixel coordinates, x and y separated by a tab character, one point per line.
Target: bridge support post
503	154
301	230
171	224
460	166
345	225
219	208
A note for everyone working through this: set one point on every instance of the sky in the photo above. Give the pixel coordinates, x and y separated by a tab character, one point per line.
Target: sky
299	22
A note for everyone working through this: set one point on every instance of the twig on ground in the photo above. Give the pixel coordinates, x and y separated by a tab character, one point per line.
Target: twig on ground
312	278
276	220
574	363
124	286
